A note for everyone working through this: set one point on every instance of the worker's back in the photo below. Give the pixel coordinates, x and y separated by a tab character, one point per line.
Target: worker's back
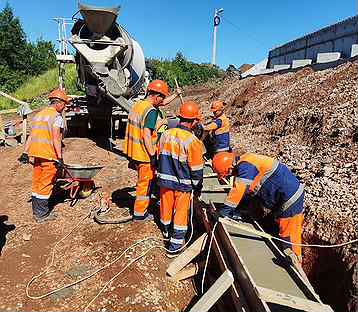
273	182
41	145
180	159
133	145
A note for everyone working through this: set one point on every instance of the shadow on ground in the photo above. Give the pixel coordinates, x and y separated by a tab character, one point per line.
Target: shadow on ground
4	229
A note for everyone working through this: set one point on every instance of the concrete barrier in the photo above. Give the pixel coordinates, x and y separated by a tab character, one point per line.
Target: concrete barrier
328	57
301	63
255	70
266	71
281	67
354	50
335	38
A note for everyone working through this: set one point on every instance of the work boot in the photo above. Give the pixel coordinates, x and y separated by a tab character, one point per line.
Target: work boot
165	235
49	217
174	253
148	217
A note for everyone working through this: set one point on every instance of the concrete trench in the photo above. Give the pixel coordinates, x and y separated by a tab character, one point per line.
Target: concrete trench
331	277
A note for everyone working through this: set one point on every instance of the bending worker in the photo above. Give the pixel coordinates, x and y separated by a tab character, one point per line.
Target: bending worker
273	183
219	127
180	172
44	144
140	142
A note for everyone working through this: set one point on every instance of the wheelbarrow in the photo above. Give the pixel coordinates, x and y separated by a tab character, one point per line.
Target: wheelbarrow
78	180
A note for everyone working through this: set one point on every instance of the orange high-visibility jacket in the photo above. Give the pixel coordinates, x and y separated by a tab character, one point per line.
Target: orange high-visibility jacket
221	128
41	145
267	178
133	145
181	160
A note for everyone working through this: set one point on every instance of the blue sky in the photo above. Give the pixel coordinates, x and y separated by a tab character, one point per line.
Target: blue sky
248	30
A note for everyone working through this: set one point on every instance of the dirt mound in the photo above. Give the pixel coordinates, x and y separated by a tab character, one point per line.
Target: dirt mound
308	120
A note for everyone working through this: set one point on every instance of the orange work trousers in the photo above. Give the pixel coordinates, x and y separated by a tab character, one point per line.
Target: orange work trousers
291	231
175	205
43	180
143	190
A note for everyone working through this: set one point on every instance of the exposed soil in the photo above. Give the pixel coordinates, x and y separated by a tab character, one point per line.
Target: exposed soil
308	120
305	118
142	287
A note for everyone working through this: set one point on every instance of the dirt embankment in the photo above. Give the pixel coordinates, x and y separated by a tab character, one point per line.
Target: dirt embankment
308	120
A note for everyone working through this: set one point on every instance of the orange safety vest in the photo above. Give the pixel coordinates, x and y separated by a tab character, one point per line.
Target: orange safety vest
264	164
225	127
41	144
133	145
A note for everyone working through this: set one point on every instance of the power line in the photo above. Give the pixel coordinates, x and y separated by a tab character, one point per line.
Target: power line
240	30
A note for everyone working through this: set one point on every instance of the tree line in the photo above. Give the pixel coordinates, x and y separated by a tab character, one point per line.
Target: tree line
19	58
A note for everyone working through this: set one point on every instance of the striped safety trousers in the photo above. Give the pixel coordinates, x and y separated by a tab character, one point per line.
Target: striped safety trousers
143	190
174	205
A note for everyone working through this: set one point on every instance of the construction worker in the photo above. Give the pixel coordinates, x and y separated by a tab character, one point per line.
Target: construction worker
144	121
219	128
180	172
44	144
273	183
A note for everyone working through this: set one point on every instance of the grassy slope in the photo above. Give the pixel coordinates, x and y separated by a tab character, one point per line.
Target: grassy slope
34	90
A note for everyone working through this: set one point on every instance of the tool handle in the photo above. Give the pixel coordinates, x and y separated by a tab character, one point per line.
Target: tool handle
177	85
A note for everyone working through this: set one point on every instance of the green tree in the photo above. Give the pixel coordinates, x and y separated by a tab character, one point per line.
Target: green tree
186	72
19	59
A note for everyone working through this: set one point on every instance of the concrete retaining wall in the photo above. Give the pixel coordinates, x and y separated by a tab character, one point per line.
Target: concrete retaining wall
335	38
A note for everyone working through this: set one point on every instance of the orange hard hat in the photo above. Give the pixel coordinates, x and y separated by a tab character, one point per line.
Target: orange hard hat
189	110
216	106
222	163
59	94
159	86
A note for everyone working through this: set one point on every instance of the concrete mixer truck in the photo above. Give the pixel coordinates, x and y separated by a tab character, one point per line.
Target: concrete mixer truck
111	72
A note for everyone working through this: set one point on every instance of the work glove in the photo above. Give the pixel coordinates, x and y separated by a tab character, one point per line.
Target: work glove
24	159
154	161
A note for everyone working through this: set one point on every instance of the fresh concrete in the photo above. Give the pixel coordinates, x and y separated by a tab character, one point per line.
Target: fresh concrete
261	262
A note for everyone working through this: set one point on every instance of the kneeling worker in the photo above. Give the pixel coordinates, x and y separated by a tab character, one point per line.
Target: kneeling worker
140	142
44	144
219	127
273	183
180	172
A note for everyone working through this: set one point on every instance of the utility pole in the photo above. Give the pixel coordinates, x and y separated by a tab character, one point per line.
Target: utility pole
216	24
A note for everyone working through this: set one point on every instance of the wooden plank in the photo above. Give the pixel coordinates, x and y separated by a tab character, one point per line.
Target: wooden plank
243	227
210	175
187	255
214	292
301	304
12	98
24	129
191	270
